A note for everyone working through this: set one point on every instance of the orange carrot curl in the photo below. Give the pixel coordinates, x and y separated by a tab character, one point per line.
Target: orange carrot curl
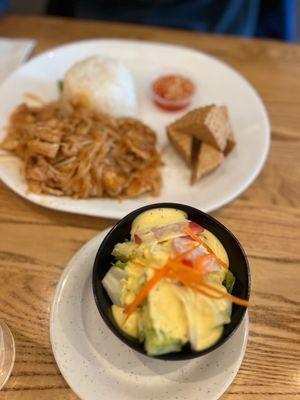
197	239
158	275
193	278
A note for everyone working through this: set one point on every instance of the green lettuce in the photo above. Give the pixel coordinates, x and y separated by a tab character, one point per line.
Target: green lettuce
157	343
229	281
124	251
120	264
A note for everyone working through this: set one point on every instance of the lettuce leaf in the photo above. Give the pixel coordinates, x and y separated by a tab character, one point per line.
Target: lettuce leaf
124	251
157	343
120	264
229	281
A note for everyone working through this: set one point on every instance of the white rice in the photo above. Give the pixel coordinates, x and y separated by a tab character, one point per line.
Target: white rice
102	84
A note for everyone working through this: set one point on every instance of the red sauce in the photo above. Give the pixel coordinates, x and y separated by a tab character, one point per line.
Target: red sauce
172	92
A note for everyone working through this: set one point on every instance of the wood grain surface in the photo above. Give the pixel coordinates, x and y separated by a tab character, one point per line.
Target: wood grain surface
36	243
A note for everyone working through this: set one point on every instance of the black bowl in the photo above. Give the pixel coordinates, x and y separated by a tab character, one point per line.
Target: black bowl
238	265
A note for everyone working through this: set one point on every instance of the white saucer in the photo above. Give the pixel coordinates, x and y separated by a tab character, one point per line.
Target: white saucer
97	365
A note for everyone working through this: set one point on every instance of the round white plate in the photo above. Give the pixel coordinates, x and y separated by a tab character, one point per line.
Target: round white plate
217	83
97	365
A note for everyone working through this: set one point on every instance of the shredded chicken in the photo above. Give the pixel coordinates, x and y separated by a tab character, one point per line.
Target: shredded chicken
84	154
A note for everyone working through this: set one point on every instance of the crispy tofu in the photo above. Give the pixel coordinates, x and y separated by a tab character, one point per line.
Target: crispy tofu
202	138
231	142
209	124
202	160
207	161
182	143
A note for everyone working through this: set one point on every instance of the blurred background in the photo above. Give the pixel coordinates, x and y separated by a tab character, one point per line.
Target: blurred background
276	19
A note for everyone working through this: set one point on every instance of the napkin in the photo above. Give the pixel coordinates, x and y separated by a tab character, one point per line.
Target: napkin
13	52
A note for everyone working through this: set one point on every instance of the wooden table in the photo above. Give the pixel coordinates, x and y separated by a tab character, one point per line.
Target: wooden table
36	243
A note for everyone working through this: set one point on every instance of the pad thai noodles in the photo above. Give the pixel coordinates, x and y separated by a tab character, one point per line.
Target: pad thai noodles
84	154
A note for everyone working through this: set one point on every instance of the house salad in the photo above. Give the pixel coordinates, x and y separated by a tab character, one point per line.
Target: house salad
171	284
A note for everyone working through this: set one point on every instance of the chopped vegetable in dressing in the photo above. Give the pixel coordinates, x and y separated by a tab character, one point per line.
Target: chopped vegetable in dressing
174	284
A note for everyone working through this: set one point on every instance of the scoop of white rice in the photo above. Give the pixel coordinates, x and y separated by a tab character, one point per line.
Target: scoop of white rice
102	84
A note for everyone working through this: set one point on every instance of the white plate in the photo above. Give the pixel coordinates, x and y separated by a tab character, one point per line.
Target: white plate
97	365
217	83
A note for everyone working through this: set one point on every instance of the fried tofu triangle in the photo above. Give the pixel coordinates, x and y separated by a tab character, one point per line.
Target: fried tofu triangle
202	138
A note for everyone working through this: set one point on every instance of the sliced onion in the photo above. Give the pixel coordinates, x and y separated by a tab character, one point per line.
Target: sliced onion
112	284
162	233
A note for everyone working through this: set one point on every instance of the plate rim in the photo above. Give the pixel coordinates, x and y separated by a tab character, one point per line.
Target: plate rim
46	200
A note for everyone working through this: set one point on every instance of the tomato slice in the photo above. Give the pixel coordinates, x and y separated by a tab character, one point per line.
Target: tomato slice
181	244
196	228
137	239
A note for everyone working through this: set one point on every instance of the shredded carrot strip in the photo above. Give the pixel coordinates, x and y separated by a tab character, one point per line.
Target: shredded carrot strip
196	279
184	280
197	239
192	234
200	285
158	275
229	296
187	282
224	265
201	260
194	276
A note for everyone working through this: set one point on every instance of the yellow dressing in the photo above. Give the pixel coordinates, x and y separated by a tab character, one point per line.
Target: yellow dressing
173	309
210	338
205	322
157	217
129	326
155	254
214	243
167	311
136	278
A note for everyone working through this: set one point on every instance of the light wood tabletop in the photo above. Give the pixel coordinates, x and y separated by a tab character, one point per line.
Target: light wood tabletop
36	243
